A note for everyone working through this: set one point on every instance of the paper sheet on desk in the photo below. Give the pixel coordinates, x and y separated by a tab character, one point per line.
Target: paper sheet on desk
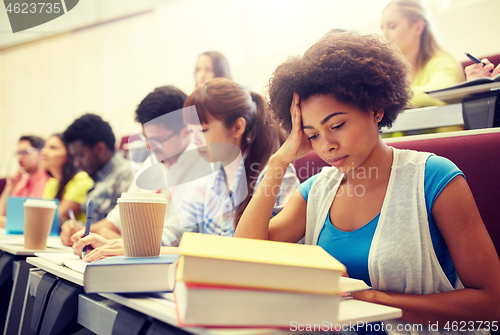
52	242
14	240
77	265
5	236
348	285
162	298
55	242
58	258
66	259
168	296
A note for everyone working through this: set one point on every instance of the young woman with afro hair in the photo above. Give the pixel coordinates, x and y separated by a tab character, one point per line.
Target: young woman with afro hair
403	221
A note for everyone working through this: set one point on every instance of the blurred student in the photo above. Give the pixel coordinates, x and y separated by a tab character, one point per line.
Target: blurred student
401	220
91	142
29	180
226	113
405	22
67	184
161	118
210	65
479	70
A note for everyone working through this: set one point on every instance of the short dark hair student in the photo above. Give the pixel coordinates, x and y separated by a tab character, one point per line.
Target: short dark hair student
161	101
91	142
161	112
411	229
29	179
36	141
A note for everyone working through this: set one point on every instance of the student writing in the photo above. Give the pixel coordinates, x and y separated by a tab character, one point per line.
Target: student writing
405	22
483	69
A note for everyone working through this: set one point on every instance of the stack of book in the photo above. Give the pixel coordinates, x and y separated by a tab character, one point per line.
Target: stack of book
237	282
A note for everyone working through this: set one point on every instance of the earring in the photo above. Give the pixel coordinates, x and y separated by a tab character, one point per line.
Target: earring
378	118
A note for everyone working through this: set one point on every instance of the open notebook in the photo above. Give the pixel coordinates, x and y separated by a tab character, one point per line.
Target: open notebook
456	93
66	259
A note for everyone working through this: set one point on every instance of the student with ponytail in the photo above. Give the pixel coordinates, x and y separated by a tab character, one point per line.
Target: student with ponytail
233	129
227	113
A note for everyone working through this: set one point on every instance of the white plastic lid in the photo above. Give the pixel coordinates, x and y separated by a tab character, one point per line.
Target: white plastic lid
143	197
40	203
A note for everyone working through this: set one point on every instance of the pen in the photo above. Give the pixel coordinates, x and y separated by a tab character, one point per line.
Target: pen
475	60
72	217
90	211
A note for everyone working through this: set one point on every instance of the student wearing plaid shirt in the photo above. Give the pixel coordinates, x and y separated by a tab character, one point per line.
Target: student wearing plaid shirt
232	128
210	208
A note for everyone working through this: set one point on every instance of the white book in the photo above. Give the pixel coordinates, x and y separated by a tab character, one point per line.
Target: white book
236	307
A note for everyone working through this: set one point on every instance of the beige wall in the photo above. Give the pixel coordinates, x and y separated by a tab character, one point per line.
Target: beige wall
45	85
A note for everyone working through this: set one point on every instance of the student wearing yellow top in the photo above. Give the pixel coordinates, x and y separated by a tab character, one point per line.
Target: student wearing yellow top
67	185
405	23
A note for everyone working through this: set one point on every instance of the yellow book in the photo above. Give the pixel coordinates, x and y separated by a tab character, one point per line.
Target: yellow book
233	261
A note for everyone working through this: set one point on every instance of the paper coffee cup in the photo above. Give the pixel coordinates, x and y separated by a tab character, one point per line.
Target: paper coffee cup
142	216
38	218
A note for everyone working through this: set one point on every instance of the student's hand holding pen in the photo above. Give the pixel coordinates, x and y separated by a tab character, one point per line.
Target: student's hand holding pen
68	228
97	246
483	69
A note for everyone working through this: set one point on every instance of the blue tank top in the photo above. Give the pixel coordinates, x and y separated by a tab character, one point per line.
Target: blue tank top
352	248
